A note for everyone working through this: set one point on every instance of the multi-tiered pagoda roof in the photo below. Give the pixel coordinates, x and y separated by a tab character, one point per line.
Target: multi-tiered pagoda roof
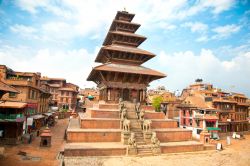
122	59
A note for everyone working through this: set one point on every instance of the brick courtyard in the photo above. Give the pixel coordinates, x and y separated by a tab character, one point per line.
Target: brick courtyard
41	156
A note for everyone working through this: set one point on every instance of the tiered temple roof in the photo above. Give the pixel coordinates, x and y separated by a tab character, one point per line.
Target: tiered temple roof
122	59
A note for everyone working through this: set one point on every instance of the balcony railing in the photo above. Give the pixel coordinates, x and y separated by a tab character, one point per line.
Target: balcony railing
18	82
12	117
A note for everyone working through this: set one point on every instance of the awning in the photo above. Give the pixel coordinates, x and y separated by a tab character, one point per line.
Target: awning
47	114
213	129
37	116
12	104
210	120
90	97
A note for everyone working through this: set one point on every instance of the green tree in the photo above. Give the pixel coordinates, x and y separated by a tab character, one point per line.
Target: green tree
157	103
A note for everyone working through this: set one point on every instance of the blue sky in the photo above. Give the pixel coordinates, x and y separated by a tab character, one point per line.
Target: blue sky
192	39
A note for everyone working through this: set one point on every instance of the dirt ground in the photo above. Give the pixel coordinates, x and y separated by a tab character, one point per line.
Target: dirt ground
236	154
42	156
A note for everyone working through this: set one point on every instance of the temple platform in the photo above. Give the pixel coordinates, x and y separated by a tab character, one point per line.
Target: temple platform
163	123
118	149
97	133
108	106
95	123
173	134
77	134
104	113
154	115
95	149
184	146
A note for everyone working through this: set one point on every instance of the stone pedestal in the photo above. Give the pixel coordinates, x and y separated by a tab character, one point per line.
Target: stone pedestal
147	136
156	150
131	151
125	135
74	115
205	137
46	138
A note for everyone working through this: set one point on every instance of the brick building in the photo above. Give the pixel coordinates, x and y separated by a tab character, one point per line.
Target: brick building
28	84
11	119
230	108
197	115
26	106
64	95
169	101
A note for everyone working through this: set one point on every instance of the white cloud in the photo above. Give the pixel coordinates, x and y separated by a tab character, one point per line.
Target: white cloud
17	28
215	6
166	26
55	7
225	31
74	65
83	18
184	67
31	5
196	26
218	6
203	38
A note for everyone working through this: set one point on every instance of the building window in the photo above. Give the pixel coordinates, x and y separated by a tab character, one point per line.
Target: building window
197	123
210	124
199	131
190	122
67	93
33	94
12	95
109	94
190	113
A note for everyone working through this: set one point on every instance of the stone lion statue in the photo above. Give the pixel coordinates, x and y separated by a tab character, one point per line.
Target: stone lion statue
154	140
137	108
131	140
126	125
121	105
141	115
124	113
146	125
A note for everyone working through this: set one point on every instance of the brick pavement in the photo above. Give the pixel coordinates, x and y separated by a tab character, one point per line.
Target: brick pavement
47	155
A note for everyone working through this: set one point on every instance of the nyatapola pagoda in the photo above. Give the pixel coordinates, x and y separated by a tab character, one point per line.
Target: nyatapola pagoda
125	128
121	74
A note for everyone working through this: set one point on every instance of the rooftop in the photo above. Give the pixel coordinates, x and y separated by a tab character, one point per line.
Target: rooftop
129	69
7	88
12	104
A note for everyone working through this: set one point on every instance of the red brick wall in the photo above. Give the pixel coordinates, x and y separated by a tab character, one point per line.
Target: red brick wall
163	124
104	114
93	136
147	107
172	136
181	148
100	124
108	106
95	152
154	115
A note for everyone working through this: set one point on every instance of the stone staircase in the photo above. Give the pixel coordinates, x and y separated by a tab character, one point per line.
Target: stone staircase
142	147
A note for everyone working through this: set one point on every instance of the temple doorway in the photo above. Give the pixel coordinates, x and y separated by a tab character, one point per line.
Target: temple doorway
125	94
45	142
